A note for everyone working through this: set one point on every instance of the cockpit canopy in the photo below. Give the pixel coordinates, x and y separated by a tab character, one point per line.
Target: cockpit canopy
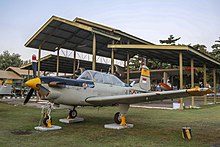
99	77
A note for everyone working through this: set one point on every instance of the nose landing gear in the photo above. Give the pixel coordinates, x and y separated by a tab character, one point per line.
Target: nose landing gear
46	119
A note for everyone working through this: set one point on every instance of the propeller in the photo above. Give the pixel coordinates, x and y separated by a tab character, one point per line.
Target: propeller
34	68
31	91
44	92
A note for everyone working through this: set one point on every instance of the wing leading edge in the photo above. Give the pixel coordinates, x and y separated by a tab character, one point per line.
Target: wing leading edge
144	97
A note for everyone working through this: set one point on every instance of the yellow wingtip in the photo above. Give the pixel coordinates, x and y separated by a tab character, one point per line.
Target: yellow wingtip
197	91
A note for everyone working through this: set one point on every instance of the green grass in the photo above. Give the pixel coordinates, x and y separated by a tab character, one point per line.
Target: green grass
152	127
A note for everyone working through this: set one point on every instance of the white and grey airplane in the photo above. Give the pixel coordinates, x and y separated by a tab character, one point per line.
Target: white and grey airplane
95	88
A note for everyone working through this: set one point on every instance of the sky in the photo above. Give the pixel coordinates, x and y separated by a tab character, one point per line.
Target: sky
195	21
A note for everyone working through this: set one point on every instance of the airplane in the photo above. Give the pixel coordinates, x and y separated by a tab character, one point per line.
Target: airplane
93	88
6	88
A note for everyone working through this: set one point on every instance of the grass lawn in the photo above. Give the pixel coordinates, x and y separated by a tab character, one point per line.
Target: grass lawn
152	127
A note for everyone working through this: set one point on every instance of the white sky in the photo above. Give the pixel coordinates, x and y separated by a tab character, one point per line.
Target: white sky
195	21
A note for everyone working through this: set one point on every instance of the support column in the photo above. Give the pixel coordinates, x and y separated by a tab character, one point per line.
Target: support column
94	52
58	61
181	76
112	60
214	84
204	82
28	78
192	80
165	77
128	69
39	56
74	64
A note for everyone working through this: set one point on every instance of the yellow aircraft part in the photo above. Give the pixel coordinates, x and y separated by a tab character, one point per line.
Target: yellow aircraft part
199	91
0	82
123	123
33	83
8	81
145	72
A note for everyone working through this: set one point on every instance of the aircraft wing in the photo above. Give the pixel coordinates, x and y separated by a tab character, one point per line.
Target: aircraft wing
144	97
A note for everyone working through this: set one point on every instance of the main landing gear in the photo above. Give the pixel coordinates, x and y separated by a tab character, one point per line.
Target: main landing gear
72	113
119	117
72	117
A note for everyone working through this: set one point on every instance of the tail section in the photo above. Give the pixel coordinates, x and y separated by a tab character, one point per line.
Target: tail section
144	82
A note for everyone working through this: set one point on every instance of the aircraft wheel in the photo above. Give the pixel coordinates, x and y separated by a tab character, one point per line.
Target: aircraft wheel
45	121
117	118
72	113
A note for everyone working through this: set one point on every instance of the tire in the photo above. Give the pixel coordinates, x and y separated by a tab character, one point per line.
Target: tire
117	118
72	114
45	121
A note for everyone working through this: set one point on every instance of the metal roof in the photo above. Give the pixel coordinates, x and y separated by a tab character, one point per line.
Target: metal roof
170	54
9	75
78	35
49	63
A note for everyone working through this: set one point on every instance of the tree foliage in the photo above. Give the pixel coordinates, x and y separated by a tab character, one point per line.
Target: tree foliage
171	40
201	48
7	59
216	51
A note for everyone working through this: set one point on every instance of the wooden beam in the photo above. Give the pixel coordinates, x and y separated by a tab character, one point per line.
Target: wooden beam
192	80
181	76
214	84
204	82
94	52
74	64
128	69
58	62
112	59
39	56
156	47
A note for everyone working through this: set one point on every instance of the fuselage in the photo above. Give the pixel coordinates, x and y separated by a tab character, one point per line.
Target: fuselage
75	95
89	84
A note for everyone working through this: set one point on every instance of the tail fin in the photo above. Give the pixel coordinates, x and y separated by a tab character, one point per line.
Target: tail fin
145	78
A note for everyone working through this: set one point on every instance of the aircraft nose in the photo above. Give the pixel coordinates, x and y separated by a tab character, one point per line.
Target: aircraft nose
33	83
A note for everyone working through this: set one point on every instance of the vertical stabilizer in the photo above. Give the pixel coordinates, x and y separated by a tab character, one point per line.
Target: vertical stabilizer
145	78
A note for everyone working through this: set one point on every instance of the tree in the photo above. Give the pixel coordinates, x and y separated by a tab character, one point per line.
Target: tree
170	40
216	51
7	59
135	63
200	47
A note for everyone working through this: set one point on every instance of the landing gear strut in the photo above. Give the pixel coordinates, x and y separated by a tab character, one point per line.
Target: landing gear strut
47	120
119	117
72	113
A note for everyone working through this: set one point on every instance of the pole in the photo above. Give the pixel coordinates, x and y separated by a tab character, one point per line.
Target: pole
39	56
214	81
74	64
204	82
181	76
128	69
192	80
112	59
94	52
58	61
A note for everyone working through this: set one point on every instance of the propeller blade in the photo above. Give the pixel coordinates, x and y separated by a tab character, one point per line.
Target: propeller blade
29	95
43	91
